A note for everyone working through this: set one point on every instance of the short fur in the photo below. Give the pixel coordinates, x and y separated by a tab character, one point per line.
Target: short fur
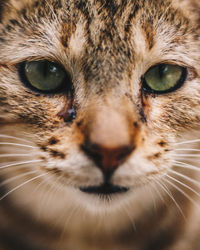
106	46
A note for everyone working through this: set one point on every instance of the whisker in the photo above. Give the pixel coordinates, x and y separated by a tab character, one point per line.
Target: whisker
16	144
13	137
182	192
196	160
9	180
167	191
130	218
187	149
180	162
185	177
186	155
184	185
157	190
13	155
51	191
187	142
172	197
45	194
21	185
74	211
151	193
55	186
42	183
19	164
186	166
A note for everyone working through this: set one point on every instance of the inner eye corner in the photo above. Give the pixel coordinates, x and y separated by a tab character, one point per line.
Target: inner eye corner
38	81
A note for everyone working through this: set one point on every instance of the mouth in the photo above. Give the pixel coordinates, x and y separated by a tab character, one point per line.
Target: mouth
104	189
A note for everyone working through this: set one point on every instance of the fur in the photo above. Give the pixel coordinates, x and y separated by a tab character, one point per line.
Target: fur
106	47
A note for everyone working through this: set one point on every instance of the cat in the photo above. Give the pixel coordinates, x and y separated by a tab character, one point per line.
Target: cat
99	124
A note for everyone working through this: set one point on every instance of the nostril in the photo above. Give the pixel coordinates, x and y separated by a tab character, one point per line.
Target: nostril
126	151
92	151
121	156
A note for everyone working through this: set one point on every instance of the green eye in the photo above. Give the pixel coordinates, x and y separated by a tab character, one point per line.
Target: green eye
164	78
45	76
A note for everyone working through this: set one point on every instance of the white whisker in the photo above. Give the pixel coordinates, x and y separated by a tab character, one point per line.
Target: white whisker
9	180
44	182
13	137
184	185
151	193
17	145
196	160
167	191
73	212
45	196
187	142
13	155
130	218
182	192
186	155
157	191
185	165
185	177
21	185
19	164
187	149
51	191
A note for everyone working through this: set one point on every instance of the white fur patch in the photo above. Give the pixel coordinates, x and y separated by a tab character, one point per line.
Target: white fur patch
78	40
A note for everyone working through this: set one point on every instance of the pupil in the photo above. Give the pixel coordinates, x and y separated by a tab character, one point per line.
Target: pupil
45	70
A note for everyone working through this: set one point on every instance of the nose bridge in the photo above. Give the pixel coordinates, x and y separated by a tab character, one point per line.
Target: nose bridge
108	59
109	128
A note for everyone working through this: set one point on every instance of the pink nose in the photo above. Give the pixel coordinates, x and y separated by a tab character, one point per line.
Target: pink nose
108	159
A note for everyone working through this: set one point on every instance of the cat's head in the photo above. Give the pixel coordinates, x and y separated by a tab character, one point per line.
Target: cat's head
95	99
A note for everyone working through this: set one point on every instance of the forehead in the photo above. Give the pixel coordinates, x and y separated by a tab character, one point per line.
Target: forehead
112	19
104	31
109	20
126	32
101	14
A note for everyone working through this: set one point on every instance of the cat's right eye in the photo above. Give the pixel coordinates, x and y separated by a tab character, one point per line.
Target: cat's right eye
45	76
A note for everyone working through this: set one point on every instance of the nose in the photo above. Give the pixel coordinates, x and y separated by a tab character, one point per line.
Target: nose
108	158
109	139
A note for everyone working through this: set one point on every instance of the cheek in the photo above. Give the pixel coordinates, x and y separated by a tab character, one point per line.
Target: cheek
174	114
61	148
20	104
64	138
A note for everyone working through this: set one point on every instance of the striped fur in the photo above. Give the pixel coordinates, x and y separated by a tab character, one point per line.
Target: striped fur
106	47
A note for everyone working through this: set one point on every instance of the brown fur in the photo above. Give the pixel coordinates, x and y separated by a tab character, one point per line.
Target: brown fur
105	125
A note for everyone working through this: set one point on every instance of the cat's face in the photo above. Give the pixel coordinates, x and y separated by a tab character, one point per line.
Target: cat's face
106	139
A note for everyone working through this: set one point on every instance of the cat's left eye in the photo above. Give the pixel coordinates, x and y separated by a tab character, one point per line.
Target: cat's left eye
45	76
164	78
